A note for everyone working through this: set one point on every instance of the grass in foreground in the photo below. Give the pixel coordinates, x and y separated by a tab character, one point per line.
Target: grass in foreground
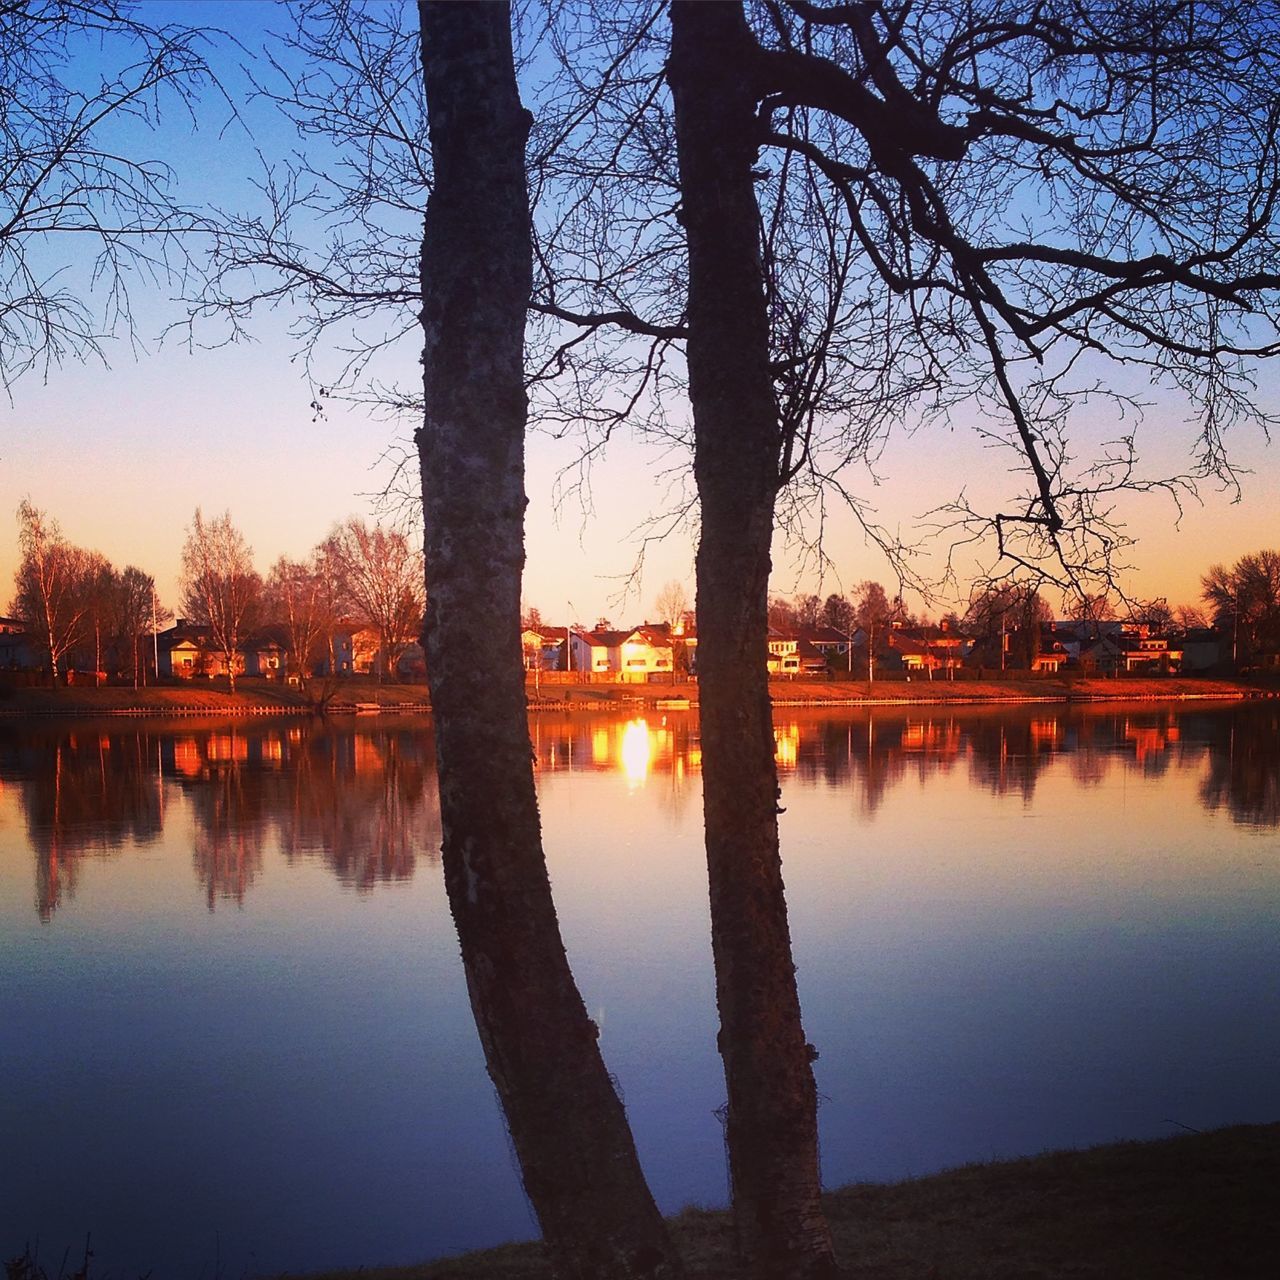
1194	1207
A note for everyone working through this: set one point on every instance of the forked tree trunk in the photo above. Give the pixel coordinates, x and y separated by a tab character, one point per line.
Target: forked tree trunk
567	1124
772	1111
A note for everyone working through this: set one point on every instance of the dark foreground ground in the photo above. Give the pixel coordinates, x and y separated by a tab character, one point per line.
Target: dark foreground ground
1194	1207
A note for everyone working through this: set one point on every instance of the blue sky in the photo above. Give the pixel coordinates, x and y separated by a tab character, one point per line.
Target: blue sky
121	455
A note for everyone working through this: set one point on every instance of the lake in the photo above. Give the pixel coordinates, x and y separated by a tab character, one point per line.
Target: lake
236	1037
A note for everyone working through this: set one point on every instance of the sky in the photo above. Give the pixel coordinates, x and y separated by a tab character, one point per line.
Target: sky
121	454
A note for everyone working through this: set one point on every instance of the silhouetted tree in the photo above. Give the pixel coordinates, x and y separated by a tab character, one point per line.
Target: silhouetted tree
567	1124
838	613
771	1117
1245	602
77	76
1005	620
1155	615
874	614
136	612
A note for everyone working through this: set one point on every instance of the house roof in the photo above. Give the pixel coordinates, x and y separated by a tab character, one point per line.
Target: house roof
824	635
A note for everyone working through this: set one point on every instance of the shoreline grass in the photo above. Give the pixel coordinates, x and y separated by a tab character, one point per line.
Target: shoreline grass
265	698
1197	1206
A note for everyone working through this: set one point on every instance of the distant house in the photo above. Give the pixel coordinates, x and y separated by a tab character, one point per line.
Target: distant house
1103	654
930	649
544	648
185	650
1050	660
1203	649
793	653
1147	653
829	642
636	654
18	650
591	652
266	653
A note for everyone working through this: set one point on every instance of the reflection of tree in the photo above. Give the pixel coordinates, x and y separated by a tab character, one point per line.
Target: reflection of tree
365	803
1007	750
229	804
1008	754
362	802
1244	768
86	794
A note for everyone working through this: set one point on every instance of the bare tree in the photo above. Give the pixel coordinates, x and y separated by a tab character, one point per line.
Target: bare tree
101	587
77	76
672	603
303	597
136	612
874	613
1245	602
51	591
771	1117
837	613
983	206
1155	615
381	582
567	1123
1005	620
220	587
1190	617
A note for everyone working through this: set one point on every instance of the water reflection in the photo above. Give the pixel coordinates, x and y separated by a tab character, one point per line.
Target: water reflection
83	795
1244	778
1014	929
362	801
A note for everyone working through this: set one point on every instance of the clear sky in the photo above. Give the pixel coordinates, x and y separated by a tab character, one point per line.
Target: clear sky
122	455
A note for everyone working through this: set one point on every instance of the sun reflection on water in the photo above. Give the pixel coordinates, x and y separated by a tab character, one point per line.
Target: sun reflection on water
636	751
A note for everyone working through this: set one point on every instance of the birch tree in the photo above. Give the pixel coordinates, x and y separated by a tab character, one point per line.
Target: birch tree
51	587
379	577
220	587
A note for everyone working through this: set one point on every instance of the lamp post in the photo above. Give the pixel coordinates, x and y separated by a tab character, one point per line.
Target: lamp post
155	635
578	621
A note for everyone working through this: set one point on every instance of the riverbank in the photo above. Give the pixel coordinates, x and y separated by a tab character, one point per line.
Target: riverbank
262	698
1193	1207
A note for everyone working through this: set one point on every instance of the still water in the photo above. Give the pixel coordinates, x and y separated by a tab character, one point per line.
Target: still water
234	1037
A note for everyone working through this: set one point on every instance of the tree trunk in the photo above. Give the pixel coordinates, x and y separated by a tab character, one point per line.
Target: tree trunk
772	1111
567	1123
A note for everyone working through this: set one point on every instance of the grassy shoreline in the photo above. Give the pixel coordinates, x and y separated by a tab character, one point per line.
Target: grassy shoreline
262	698
1192	1207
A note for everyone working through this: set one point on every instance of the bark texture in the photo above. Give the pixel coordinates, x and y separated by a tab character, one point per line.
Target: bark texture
567	1123
772	1103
